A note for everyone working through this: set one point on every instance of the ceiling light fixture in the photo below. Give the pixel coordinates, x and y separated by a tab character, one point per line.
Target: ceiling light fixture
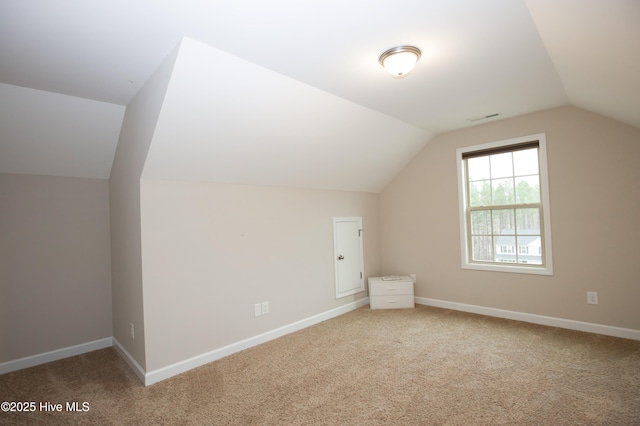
399	61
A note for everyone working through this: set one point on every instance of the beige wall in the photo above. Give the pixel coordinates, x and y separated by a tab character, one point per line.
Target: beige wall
137	131
595	207
55	282
211	251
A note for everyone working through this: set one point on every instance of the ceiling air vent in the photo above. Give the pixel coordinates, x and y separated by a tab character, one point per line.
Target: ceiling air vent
484	117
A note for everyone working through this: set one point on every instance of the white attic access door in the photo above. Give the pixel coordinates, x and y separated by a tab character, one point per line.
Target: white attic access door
348	255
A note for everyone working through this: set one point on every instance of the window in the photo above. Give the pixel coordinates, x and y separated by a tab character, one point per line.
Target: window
504	206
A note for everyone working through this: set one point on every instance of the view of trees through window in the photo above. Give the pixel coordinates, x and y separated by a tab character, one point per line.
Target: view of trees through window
504	208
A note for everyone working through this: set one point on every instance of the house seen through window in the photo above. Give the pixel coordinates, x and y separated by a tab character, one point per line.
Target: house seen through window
504	206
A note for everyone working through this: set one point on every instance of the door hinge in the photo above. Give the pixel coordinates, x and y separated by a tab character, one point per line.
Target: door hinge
360	275
360	232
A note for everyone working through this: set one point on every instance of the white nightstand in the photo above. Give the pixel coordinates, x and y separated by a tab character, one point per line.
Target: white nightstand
391	294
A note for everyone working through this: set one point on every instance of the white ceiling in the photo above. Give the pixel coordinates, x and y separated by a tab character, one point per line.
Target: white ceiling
283	134
46	133
479	58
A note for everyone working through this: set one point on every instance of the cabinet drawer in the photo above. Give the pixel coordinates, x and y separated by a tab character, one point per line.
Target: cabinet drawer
389	288
392	302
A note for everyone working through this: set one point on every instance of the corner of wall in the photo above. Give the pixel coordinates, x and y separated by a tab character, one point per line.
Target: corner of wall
124	200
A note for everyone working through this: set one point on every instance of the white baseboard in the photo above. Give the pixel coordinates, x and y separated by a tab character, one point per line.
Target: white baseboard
607	330
182	366
131	362
164	373
43	358
160	374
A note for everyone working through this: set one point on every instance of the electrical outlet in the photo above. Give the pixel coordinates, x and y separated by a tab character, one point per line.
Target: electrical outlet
592	297
133	331
257	309
265	308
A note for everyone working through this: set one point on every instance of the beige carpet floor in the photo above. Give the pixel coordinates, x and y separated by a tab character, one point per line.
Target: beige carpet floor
423	366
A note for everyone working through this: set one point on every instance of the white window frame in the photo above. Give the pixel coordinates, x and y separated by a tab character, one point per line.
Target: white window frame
547	267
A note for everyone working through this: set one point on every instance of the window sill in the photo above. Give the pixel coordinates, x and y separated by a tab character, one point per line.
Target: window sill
531	270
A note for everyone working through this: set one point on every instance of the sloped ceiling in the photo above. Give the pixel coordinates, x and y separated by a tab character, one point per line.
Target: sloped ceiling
286	134
46	133
479	58
596	53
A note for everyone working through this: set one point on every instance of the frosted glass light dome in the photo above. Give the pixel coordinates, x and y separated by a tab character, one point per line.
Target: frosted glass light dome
399	61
